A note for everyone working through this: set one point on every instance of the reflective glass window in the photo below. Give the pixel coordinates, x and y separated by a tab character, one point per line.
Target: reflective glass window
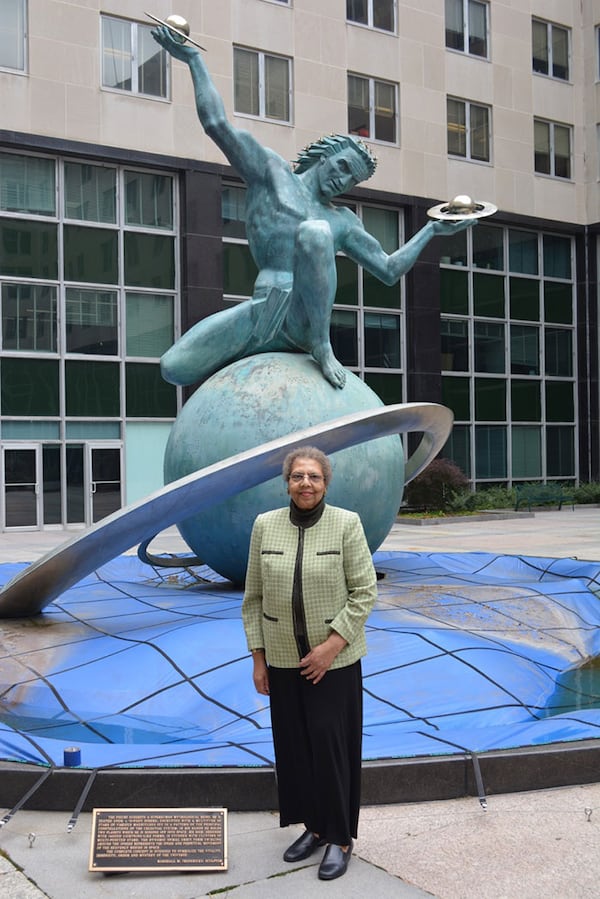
523	252
560	452
455	345
560	404
27	184
524	299
524	350
149	324
488	247
488	295
131	58
382	340
490	452
559	352
29	319
489	343
526	452
148	200
29	386
388	387
239	270
91	254
558	302
147	394
149	260
90	193
13	29
28	249
490	399
344	336
456	395
91	321
92	389
454	291
525	398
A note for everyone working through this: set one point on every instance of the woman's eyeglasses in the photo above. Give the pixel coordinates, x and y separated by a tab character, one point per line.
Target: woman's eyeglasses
297	478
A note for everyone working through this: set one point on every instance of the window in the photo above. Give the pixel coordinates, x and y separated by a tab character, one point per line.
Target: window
373	13
131	59
467	27
552	149
509	354
262	85
468	130
27	185
550	49
29	318
372	108
13	32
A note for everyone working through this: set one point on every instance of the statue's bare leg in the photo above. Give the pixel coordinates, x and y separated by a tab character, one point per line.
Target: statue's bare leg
209	345
315	283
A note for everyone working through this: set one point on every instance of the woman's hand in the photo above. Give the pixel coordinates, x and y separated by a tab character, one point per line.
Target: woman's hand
260	675
317	662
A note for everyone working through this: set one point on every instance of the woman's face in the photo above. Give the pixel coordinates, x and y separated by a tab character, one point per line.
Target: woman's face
306	484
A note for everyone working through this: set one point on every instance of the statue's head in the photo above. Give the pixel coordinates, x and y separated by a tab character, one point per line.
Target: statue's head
332	144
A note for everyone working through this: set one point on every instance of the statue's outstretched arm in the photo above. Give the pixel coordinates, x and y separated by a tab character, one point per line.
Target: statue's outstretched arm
240	147
367	251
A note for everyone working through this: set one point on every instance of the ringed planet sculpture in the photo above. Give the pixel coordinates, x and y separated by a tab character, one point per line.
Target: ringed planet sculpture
42	581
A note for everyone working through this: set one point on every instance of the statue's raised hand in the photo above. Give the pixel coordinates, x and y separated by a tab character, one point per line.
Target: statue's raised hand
163	36
447	229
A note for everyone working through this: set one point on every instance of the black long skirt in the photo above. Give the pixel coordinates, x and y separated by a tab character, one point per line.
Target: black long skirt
317	735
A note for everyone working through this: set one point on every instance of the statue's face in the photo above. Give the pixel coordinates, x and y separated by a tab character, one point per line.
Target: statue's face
340	172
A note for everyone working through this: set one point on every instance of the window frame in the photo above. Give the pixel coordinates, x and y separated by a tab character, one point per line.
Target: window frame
468	156
134	44
552	157
550	27
371	16
262	56
466	28
372	82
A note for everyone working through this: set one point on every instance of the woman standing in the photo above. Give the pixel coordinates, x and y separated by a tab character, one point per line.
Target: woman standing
310	586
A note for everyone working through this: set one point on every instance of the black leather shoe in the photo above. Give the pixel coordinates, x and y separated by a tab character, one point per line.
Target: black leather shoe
302	847
335	861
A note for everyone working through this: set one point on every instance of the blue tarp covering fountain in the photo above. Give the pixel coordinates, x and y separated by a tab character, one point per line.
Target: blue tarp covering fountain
142	666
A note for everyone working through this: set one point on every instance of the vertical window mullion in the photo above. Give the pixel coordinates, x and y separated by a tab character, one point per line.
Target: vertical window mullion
261	86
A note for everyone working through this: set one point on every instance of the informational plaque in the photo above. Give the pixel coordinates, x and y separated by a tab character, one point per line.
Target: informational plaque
153	839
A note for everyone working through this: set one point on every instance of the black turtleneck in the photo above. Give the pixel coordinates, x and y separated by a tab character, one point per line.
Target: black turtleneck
305	518
302	519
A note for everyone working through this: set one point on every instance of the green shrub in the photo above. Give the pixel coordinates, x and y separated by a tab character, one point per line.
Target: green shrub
587	493
436	486
486	498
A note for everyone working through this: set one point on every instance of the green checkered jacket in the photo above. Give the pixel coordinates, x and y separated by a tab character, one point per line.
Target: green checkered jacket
339	585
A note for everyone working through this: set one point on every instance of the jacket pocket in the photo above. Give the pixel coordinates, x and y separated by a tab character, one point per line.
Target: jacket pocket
270	617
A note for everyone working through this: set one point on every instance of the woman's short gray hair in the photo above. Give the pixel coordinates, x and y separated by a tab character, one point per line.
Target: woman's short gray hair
307	452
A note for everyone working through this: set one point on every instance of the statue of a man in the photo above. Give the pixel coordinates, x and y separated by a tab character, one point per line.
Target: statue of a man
294	232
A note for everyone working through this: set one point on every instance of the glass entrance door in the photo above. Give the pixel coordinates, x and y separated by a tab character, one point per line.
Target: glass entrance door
22	498
105	480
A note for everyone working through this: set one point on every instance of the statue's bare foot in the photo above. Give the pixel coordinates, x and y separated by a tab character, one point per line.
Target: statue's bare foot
332	370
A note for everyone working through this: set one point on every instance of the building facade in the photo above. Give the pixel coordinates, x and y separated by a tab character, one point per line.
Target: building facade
121	224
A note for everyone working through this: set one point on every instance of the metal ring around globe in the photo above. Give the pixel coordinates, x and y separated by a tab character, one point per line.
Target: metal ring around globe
44	580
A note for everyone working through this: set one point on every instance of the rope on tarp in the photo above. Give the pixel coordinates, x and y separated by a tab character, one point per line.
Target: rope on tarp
479	781
27	796
84	793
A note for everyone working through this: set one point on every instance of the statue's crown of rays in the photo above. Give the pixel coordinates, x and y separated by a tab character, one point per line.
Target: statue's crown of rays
330	144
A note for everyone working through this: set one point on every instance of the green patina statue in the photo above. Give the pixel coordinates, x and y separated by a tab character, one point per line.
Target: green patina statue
294	232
